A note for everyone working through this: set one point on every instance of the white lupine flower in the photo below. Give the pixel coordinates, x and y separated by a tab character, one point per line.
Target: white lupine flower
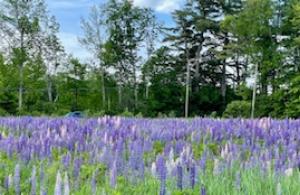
10	181
216	167
63	130
58	185
170	164
288	172
278	189
66	185
117	122
153	169
225	152
269	165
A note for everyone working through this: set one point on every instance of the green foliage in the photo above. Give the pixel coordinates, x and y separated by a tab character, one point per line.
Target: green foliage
244	92
158	147
3	112
273	105
126	113
139	115
238	109
293	105
243	38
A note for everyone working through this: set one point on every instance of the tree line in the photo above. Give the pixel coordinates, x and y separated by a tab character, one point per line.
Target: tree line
220	58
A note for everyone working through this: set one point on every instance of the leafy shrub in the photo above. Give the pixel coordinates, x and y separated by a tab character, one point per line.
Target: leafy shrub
23	113
126	113
238	109
139	115
161	115
3	112
62	112
214	114
293	104
37	113
172	114
94	114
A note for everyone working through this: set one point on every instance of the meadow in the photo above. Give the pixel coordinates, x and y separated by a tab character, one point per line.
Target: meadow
114	155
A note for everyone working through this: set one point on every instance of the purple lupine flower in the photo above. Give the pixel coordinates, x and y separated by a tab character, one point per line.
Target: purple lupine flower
203	190
120	155
58	184
113	175
17	178
66	160
42	189
93	184
77	166
66	184
203	161
238	180
42	180
179	176
162	173
6	183
192	175
33	182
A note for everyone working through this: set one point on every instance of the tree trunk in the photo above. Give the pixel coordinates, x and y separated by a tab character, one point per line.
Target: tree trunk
76	98
21	86
197	73
21	74
147	91
264	84
187	90
108	103
135	88
49	88
135	84
254	92
120	95
223	83
238	74
103	90
187	82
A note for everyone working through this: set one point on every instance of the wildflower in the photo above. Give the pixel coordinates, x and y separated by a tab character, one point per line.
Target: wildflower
279	189
66	160
42	180
216	170
77	165
33	182
66	185
58	185
113	175
17	179
238	180
203	190
9	182
203	161
192	175
153	169
162	173
288	172
179	176
93	184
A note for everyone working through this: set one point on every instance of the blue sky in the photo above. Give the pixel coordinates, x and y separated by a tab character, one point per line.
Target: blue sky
69	12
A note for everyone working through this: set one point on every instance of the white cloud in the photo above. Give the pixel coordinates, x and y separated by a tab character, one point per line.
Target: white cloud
165	6
72	45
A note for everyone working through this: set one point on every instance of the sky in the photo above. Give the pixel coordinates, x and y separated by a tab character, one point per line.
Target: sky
69	13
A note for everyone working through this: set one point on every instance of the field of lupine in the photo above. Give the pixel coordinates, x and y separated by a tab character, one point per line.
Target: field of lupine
112	155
